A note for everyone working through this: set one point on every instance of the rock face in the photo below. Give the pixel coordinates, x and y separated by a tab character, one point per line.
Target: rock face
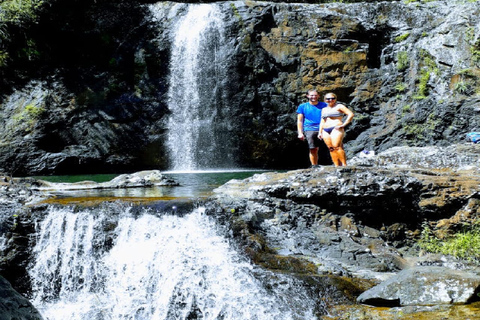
424	286
14	306
359	220
409	72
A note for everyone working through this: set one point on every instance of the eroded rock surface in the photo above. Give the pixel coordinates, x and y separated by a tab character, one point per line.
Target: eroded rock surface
15	306
362	221
424	286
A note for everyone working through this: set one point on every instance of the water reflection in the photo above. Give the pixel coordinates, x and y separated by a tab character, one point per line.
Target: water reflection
192	184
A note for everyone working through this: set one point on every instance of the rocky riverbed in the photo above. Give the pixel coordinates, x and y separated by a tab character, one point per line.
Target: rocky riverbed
362	222
348	233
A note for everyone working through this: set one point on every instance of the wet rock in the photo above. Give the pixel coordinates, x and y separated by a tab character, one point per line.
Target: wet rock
140	179
15	306
424	286
354	220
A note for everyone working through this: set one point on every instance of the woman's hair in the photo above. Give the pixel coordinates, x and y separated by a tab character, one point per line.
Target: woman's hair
330	94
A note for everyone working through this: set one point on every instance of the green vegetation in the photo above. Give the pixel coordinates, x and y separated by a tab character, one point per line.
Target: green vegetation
29	115
3	58
402	37
467	82
401	87
462	87
421	130
465	244
18	11
422	85
402	60
427	66
474	45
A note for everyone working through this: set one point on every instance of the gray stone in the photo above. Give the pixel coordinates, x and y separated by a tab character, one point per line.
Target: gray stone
424	286
15	306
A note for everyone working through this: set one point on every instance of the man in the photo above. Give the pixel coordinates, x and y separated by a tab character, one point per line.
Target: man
308	123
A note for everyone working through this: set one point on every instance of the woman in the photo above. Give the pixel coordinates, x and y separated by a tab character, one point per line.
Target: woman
332	128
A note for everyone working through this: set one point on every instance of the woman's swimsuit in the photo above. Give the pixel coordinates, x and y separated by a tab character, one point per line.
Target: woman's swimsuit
328	130
329	112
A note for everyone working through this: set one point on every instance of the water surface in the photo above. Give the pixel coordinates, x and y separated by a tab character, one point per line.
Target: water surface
192	184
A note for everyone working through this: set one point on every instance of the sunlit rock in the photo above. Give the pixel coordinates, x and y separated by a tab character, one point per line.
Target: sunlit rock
424	286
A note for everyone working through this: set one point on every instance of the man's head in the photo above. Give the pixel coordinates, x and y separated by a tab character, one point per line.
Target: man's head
312	96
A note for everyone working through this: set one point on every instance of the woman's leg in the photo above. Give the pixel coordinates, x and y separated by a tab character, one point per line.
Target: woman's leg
328	142
336	138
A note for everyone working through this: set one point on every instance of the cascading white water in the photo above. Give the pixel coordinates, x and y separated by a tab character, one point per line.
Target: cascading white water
198	137
152	266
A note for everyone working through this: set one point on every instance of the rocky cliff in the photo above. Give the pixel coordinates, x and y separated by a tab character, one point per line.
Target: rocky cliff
363	223
90	95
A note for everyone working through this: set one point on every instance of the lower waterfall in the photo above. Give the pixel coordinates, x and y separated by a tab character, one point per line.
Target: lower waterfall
122	262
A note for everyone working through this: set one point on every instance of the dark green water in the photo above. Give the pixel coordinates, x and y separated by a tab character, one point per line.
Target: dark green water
192	184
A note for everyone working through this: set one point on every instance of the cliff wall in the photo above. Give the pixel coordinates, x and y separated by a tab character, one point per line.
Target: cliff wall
86	90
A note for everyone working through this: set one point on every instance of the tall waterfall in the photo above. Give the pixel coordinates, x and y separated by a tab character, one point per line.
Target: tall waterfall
198	136
118	263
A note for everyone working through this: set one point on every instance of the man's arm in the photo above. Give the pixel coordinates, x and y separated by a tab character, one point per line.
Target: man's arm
300	118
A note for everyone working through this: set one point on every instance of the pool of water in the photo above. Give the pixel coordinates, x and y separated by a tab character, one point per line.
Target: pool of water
192	184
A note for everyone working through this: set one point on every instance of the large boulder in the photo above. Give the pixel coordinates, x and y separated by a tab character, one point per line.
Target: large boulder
15	306
424	286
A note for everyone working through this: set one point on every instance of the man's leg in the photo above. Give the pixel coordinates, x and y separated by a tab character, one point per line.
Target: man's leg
313	156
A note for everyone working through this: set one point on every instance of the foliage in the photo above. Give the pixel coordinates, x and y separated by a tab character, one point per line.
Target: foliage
427	66
423	129
17	11
402	37
462	87
468	82
422	85
3	58
474	45
29	115
400	87
402	60
464	244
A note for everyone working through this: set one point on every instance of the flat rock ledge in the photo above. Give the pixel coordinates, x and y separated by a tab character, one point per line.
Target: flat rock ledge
142	179
424	286
362	222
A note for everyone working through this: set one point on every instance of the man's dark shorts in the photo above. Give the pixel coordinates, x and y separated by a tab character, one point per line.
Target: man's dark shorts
312	139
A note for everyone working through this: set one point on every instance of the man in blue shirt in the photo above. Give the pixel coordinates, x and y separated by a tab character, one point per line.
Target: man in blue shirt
308	123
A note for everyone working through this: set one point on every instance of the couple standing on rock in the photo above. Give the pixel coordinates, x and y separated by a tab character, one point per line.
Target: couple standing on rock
323	121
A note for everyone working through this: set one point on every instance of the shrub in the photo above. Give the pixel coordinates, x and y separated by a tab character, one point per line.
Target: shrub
464	244
402	37
402	60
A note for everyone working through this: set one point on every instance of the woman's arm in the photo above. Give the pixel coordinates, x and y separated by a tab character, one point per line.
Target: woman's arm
320	130
349	114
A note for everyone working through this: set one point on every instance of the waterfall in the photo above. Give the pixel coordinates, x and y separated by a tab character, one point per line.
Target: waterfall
118	263
198	135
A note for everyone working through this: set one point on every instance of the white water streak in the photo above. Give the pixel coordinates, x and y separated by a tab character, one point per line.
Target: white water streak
197	66
165	267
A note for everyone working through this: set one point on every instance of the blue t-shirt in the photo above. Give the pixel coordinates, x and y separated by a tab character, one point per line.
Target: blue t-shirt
312	115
